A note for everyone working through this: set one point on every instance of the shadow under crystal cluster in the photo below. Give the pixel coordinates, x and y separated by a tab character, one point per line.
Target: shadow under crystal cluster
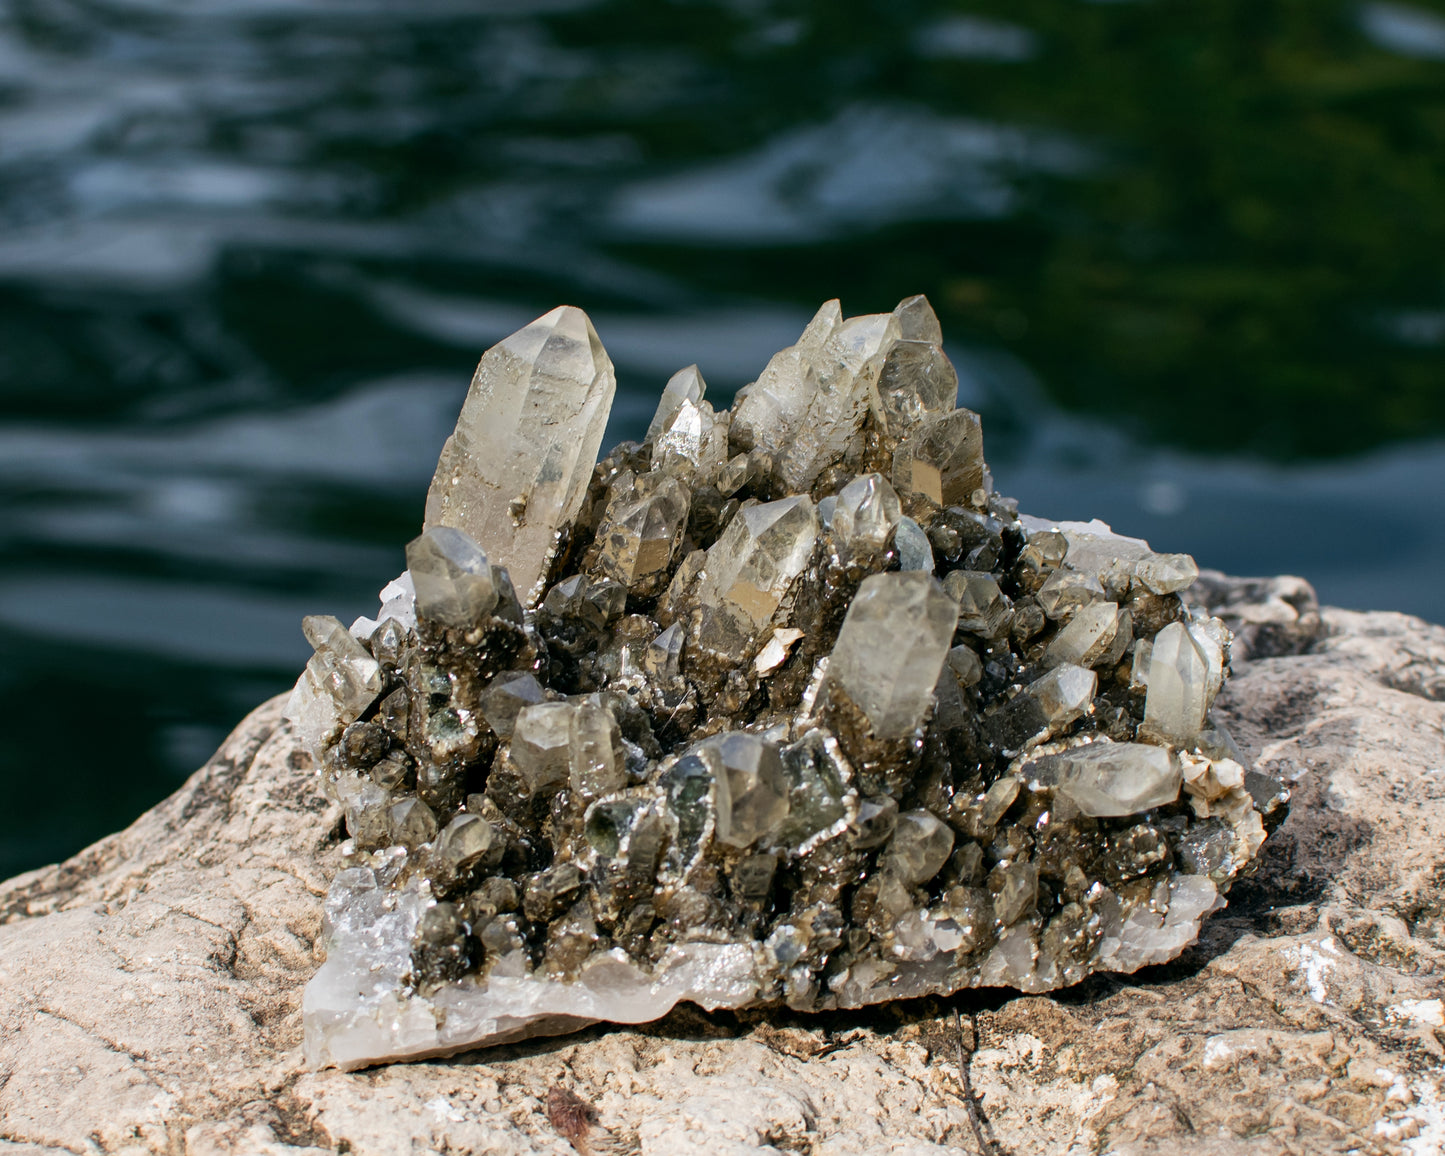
782	705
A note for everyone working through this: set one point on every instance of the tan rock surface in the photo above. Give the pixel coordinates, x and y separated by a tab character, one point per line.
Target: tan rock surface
150	987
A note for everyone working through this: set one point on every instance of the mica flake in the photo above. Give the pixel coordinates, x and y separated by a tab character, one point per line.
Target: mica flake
783	705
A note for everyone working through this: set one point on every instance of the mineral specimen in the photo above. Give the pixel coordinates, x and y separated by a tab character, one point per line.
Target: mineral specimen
792	708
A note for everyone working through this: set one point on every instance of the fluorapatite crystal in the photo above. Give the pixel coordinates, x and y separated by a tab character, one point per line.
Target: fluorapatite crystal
792	709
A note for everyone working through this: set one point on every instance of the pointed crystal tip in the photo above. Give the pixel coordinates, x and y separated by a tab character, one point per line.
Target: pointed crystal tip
514	473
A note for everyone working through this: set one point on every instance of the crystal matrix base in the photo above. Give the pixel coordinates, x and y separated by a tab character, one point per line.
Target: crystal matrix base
360	1009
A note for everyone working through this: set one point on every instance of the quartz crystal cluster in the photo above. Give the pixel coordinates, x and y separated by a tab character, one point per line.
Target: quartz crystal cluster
783	705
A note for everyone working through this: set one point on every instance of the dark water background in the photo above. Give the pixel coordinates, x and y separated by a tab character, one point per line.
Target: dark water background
1190	258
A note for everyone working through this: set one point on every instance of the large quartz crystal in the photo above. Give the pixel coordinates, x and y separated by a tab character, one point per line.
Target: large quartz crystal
782	705
514	473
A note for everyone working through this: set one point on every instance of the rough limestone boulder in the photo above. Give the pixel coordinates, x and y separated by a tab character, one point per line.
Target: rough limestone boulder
150	987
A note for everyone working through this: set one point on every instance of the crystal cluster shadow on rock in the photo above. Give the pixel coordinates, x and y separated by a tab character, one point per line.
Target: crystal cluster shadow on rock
782	705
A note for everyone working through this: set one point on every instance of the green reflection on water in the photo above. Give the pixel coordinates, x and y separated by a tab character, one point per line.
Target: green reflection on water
1252	260
1244	250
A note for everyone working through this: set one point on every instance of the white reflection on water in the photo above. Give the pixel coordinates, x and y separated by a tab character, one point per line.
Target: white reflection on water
1405	29
377	436
870	165
223	627
975	38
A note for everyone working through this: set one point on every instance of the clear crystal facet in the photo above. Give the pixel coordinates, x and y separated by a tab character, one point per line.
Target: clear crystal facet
865	513
541	745
921	845
1112	779
891	649
917	321
982	607
452	578
752	789
915	382
340	681
914	550
641	530
683	387
506	698
1179	682
514	473
594	751
942	459
694	444
749	570
1087	638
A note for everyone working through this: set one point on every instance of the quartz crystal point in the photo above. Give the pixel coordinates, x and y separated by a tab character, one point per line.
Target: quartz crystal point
594	752
770	410
1179	685
914	550
694	443
917	321
1107	779
514	473
891	650
807	409
752	792
749	570
1087	638
942	460
982	607
452	578
829	430
1112	559
684	387
506	698
919	848
340	681
916	381
663	658
642	528
1042	709
542	745
795	710
865	514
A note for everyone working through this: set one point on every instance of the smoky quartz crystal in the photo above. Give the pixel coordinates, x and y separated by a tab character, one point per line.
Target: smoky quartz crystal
782	705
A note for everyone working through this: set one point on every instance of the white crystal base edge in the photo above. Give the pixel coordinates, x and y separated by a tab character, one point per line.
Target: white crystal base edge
357	1010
